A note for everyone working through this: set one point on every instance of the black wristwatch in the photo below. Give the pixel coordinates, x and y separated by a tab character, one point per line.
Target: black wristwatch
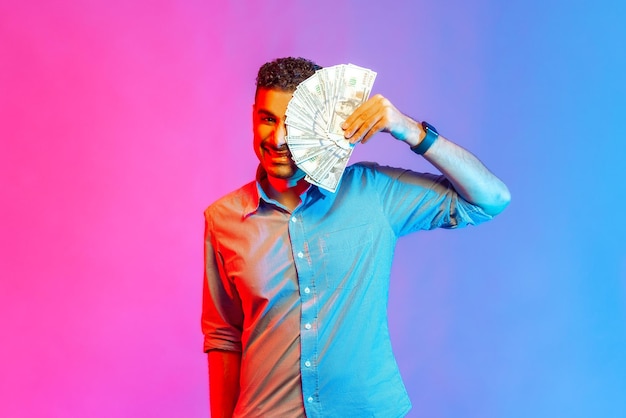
429	139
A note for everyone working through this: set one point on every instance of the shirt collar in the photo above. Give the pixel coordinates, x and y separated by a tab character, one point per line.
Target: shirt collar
258	195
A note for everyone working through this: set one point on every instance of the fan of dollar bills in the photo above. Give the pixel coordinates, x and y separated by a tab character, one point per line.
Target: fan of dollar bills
319	106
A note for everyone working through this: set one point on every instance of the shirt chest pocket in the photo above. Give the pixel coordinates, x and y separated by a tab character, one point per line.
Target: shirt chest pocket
348	256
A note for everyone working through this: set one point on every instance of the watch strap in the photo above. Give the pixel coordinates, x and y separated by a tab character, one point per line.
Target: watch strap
428	141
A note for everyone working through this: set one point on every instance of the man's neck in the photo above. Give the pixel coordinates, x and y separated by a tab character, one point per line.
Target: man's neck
287	192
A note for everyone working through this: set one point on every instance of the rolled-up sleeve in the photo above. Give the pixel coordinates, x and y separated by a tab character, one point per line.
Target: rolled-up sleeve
420	201
222	316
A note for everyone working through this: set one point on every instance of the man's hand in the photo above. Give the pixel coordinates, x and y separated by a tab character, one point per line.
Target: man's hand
379	114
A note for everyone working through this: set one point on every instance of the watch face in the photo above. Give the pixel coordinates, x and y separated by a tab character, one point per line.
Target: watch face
428	126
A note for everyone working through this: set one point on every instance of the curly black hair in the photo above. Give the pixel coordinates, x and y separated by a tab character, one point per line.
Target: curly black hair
285	73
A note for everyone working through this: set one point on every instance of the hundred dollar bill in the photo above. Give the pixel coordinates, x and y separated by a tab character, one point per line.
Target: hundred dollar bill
300	155
329	180
328	78
313	92
354	87
305	119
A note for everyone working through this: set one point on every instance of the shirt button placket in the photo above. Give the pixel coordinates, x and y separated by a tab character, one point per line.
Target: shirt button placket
309	349
308	337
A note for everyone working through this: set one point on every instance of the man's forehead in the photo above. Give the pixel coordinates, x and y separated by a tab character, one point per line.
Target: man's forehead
272	100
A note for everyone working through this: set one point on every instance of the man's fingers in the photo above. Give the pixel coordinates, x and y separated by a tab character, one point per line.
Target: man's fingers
367	128
365	109
375	115
379	126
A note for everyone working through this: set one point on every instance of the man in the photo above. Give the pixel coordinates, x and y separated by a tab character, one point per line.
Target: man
296	277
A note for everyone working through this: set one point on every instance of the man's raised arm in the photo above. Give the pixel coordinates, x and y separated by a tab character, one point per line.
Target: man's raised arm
470	178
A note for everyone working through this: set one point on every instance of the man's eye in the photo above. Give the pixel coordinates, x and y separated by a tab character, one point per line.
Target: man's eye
268	119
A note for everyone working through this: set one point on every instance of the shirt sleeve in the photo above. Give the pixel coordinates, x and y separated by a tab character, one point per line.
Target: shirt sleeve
222	316
415	201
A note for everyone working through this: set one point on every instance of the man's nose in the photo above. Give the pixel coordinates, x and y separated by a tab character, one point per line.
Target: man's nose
280	134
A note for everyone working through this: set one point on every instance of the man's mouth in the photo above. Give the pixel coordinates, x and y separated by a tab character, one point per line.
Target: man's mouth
275	154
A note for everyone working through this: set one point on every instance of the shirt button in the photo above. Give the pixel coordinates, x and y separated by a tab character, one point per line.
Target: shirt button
300	254
307	363
310	399
307	326
294	219
307	290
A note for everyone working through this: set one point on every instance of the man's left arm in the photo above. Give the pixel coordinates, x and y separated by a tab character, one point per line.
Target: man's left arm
470	178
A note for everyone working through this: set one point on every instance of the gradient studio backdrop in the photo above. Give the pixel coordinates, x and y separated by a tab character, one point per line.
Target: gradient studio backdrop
122	120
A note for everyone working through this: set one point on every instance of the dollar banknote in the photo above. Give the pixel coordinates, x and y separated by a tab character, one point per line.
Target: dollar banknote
318	108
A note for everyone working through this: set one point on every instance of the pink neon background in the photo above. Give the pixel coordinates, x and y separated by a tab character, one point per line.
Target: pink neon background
120	121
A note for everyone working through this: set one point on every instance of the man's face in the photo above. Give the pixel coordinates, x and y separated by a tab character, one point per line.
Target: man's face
268	124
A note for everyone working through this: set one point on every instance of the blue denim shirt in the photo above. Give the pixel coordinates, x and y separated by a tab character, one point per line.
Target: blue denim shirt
303	295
